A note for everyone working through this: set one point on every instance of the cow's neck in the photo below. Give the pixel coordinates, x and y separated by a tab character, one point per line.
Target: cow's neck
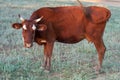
39	38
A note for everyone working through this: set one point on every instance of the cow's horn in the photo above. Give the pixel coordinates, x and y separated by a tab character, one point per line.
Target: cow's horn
21	18
39	19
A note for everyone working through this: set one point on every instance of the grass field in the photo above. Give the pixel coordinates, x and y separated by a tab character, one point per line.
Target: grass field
69	62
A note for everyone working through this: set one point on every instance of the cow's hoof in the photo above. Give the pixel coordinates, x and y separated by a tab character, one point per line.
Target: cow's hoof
97	69
46	71
42	68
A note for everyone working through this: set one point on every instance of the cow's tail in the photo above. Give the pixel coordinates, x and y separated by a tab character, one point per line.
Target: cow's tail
83	9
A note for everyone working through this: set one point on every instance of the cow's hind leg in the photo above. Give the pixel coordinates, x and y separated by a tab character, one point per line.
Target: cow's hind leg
99	44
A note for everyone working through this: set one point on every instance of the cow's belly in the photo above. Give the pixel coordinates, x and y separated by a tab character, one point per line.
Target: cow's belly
70	39
70	34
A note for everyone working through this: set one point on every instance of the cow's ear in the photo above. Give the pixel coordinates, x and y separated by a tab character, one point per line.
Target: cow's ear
17	25
42	27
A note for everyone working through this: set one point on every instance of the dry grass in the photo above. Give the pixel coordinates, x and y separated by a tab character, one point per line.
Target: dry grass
69	62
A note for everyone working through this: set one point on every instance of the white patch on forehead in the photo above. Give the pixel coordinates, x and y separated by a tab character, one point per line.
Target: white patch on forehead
33	27
24	27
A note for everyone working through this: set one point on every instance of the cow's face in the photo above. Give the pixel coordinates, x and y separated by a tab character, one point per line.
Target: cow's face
28	30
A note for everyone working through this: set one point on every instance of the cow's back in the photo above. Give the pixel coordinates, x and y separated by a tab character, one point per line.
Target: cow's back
57	14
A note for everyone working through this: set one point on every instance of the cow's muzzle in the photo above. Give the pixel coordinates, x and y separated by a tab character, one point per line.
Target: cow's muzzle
27	45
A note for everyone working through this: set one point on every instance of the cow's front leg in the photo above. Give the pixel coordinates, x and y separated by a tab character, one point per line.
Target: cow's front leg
48	47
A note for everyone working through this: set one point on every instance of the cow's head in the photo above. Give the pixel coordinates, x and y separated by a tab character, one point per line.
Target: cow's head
28	30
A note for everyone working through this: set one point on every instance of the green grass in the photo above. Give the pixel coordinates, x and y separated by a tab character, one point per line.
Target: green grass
69	62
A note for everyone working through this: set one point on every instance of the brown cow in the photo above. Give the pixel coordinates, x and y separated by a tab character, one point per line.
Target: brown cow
68	24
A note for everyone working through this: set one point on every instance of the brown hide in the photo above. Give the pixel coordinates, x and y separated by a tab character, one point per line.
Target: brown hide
70	24
66	23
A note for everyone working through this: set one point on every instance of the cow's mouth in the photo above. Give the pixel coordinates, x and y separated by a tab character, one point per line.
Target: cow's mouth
27	45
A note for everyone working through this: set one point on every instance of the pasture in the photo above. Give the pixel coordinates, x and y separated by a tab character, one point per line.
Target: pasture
69	61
